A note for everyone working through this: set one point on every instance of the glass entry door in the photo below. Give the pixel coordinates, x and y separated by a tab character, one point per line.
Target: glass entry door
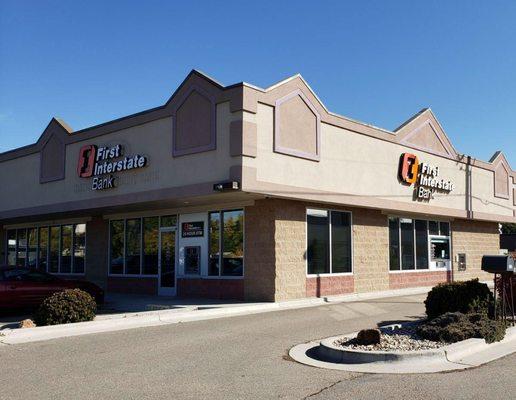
167	262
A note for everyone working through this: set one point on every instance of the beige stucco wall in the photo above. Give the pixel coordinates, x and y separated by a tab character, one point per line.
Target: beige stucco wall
361	165
153	139
370	250
475	239
274	250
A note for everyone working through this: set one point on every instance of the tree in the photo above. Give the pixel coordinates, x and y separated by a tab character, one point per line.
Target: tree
508	228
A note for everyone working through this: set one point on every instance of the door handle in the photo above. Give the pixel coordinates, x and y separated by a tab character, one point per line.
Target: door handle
12	287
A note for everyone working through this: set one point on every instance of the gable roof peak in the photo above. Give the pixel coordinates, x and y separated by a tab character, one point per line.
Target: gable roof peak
62	123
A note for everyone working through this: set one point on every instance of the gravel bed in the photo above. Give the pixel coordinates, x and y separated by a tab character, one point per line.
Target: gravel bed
397	339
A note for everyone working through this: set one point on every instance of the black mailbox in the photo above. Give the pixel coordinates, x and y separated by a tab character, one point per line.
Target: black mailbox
497	264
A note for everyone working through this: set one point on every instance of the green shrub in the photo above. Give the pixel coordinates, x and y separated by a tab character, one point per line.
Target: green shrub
458	296
455	326
73	305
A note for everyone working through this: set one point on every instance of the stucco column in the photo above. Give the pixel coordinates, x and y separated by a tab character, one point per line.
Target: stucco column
275	250
97	245
370	250
259	252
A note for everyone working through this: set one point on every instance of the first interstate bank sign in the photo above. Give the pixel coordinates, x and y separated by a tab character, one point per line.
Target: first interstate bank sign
100	163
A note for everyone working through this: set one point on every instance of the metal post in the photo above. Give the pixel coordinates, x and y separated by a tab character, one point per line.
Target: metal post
495	296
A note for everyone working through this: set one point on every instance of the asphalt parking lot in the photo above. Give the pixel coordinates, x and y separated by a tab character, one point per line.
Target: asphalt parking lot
241	357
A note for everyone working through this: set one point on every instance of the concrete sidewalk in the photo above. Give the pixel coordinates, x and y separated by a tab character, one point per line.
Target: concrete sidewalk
181	311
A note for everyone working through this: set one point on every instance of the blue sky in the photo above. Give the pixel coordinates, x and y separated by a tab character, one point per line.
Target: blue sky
376	61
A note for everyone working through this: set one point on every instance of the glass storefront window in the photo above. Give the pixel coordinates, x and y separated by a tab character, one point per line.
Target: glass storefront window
233	243
407	243
32	249
21	250
444	228
116	256
11	247
340	242
421	244
329	243
433	227
150	245
226	243
43	248
66	249
79	248
394	243
168	221
56	249
132	246
53	265
318	242
214	238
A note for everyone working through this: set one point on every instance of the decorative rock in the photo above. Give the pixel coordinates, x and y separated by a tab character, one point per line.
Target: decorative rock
402	338
367	337
27	323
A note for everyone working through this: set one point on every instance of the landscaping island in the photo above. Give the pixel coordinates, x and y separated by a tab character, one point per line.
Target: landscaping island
459	324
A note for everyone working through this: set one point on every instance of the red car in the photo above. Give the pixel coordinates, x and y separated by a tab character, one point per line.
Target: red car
27	288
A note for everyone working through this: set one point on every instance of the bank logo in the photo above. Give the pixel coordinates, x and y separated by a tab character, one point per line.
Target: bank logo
86	163
409	168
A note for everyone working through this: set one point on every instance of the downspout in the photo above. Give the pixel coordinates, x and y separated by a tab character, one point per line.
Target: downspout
469	200
469	196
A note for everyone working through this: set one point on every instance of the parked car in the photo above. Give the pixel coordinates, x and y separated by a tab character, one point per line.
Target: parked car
27	288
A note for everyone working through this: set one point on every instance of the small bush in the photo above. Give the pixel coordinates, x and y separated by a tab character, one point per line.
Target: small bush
458	296
455	326
73	305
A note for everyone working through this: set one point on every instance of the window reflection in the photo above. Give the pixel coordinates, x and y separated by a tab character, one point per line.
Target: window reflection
79	248
150	245
21	252
43	248
407	243
11	247
117	247
53	265
318	242
66	249
233	243
214	238
32	249
132	246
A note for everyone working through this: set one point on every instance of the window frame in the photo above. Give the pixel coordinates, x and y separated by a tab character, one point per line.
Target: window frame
429	237
330	243
38	228
221	243
124	220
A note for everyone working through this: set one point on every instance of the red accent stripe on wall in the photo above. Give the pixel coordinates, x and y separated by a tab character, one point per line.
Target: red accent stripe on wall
132	285
414	279
319	286
227	289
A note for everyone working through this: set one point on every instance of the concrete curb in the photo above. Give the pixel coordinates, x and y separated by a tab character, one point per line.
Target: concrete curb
328	351
462	355
123	321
